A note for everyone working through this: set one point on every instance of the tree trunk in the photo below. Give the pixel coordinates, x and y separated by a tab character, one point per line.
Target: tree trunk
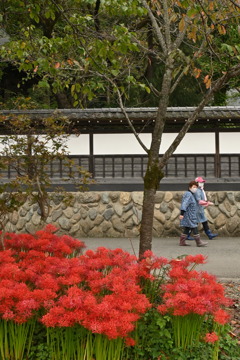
152	180
154	173
147	221
63	101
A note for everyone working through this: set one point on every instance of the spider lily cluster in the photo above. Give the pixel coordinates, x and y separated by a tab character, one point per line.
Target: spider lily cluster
96	298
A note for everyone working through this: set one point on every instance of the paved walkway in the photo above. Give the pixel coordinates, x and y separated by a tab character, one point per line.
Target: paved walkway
223	254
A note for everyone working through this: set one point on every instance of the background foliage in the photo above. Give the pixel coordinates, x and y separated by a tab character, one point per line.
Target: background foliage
63	53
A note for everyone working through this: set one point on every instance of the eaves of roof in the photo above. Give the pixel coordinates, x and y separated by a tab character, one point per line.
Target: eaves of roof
112	120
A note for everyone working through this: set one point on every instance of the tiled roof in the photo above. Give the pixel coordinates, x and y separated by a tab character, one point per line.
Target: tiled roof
110	120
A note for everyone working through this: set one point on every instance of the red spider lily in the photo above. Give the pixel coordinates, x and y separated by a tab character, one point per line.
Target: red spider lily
16	301
151	261
32	269
152	267
130	342
103	258
44	241
189	291
195	259
109	301
221	316
100	290
211	337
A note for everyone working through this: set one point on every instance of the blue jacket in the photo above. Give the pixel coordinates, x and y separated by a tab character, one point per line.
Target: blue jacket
199	195
189	206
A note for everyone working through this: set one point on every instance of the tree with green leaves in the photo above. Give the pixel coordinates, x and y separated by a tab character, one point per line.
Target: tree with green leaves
118	52
33	157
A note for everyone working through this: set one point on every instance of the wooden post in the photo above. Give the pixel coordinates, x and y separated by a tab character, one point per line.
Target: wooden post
217	155
91	156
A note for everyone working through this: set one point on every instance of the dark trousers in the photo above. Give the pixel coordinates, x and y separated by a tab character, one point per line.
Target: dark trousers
205	226
188	230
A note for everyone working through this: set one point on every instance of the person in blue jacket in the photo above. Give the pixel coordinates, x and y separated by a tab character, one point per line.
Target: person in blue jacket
202	202
188	216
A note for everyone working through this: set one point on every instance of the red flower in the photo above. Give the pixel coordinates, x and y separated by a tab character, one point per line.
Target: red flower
130	342
211	337
196	259
107	299
101	289
221	316
189	291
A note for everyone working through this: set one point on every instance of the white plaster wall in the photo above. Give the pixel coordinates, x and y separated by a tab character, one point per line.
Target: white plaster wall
193	143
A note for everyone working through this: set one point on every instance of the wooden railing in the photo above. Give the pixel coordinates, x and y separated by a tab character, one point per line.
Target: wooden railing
134	166
182	166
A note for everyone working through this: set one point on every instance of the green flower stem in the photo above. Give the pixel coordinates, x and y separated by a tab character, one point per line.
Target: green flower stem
187	329
219	329
4	341
69	343
16	339
77	343
106	349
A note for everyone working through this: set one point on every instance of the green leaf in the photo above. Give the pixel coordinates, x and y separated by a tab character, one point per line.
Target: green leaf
115	72
237	48
228	48
148	90
192	12
130	78
44	84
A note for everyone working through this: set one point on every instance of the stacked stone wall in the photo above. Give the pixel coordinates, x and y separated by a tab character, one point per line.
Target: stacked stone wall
118	214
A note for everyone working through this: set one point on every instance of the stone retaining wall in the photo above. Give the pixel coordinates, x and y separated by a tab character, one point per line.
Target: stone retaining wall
118	214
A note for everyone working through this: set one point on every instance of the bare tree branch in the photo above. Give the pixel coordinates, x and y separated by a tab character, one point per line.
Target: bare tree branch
235	4
222	81
130	123
178	80
195	56
124	111
145	49
167	24
156	28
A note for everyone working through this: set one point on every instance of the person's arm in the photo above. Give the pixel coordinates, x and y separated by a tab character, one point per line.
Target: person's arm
205	203
184	205
198	196
181	216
